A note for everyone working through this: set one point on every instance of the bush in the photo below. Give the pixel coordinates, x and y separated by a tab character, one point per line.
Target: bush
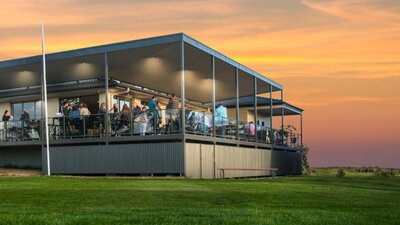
304	160
340	172
379	172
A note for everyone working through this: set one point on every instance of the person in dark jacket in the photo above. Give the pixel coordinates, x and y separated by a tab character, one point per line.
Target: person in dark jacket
6	115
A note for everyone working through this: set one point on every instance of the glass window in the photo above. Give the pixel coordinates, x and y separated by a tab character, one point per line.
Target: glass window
122	101
91	100
30	108
38	110
17	110
33	108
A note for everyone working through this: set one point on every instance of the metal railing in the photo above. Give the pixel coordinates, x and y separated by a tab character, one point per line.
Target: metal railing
200	123
119	124
19	130
162	122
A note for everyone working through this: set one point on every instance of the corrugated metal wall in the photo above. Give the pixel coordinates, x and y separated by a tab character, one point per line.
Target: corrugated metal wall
237	157
21	156
166	158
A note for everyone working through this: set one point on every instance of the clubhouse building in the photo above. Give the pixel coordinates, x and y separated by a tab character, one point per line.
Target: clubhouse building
160	106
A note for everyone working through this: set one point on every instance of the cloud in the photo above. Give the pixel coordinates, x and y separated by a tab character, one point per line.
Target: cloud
359	11
360	99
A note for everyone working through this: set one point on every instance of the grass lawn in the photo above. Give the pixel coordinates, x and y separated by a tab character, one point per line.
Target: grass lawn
320	199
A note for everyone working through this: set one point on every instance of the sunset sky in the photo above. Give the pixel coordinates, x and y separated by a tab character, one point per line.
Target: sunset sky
338	60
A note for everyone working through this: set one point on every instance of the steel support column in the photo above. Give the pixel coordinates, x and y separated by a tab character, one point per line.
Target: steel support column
271	112
282	111
237	103
183	107
213	94
106	93
255	107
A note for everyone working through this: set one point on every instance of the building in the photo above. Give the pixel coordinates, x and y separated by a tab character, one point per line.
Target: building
188	140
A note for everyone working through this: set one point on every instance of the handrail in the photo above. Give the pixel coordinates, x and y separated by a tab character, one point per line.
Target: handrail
165	121
20	130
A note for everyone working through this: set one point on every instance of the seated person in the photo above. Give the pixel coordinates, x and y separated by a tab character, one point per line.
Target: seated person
75	122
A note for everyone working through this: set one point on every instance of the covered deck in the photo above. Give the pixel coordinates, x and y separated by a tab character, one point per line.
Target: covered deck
132	73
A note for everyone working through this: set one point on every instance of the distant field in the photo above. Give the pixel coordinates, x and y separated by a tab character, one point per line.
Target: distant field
319	199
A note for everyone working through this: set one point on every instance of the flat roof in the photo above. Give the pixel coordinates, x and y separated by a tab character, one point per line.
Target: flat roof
248	101
178	37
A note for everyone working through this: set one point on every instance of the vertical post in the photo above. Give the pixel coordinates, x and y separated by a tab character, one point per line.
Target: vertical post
213	112
46	121
42	131
106	92
213	94
255	107
271	112
237	102
183	107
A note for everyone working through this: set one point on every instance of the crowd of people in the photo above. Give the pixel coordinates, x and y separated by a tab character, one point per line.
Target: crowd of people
142	120
137	119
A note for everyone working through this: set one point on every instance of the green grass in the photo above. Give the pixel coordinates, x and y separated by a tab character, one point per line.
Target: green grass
286	200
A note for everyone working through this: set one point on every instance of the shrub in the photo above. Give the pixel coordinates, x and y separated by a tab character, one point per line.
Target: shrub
304	160
379	172
340	172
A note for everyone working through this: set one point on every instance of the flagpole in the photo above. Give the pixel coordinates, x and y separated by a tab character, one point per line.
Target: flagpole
46	119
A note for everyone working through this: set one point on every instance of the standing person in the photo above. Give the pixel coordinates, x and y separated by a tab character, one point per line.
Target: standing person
65	121
7	125
124	123
115	108
6	115
126	115
25	116
143	120
101	116
114	117
64	110
175	106
102	109
26	122
84	109
154	112
136	111
221	119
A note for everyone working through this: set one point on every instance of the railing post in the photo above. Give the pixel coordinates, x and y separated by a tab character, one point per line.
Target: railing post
64	130
131	124
84	126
